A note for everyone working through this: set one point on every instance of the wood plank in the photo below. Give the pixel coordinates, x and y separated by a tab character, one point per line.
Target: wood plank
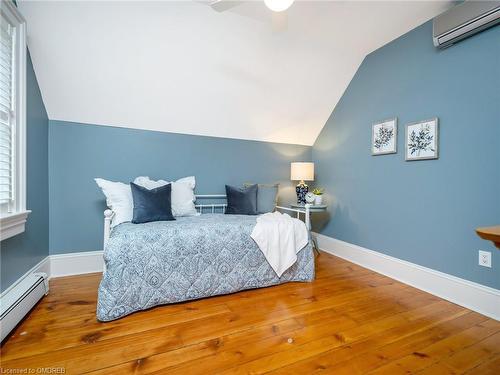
390	328
439	351
226	354
486	368
205	349
366	355
349	320
58	336
472	356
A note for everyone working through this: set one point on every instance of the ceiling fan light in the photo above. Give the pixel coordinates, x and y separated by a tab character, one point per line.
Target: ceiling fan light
278	5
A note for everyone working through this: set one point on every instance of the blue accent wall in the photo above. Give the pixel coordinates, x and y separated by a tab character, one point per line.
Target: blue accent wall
424	212
21	252
80	152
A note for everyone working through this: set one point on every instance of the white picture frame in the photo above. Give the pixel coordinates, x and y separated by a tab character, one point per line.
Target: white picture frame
385	137
422	140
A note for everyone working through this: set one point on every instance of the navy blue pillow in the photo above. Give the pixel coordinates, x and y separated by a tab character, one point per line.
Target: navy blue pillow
152	205
241	201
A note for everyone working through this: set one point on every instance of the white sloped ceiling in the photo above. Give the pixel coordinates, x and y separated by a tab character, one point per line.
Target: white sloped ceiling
182	67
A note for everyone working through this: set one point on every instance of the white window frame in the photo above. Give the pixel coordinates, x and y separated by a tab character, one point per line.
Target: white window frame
13	215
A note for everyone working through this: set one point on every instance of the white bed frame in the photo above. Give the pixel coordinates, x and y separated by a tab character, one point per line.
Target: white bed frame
213	208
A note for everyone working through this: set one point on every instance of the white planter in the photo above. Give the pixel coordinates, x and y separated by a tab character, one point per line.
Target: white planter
318	200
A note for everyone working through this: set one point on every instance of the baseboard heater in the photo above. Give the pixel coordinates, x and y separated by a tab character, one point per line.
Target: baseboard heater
16	302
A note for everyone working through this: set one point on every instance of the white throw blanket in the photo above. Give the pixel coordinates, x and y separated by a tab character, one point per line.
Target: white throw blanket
280	237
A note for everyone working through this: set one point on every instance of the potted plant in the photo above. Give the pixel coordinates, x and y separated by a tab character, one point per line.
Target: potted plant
318	192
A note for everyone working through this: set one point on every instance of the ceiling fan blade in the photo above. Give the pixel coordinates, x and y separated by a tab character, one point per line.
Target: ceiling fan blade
279	21
222	5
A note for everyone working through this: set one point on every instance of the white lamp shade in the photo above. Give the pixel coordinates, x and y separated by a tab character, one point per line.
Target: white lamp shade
302	171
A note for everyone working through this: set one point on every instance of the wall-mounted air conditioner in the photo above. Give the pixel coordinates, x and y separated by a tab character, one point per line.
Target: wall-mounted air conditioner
464	20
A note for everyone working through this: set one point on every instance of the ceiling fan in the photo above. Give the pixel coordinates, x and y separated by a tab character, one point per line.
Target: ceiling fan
279	16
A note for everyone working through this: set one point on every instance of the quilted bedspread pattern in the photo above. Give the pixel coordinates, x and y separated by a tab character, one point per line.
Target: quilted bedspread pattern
193	257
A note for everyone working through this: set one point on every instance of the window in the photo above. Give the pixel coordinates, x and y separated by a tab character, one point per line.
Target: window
13	211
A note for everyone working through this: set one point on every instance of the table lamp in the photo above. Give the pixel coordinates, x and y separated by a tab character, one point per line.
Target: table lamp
302	171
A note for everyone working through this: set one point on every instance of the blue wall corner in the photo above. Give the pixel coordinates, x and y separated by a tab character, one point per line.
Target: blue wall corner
21	252
424	212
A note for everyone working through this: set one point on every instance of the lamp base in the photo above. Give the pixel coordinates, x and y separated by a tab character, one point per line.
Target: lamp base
301	189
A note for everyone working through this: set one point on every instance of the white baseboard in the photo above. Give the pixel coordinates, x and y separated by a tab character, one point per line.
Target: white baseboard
76	263
474	296
68	264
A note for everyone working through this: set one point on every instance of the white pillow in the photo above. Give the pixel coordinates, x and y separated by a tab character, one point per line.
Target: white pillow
183	197
182	193
144	181
119	199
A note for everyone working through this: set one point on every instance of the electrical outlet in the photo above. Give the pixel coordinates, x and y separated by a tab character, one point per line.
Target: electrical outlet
484	258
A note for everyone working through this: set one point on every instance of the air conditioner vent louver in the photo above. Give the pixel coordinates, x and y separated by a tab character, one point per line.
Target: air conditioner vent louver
463	21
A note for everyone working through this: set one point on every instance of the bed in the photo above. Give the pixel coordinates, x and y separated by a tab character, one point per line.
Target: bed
157	263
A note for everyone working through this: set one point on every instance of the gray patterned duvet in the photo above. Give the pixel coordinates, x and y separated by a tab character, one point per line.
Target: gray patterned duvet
193	257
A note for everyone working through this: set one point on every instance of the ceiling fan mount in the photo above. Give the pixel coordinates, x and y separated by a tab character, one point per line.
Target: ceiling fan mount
279	16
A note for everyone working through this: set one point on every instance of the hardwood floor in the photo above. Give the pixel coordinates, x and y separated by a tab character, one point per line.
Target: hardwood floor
348	321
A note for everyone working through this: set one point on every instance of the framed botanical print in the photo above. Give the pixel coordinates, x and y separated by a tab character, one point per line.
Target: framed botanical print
384	137
422	140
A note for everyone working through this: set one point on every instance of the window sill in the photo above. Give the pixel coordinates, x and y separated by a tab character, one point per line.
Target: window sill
13	224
